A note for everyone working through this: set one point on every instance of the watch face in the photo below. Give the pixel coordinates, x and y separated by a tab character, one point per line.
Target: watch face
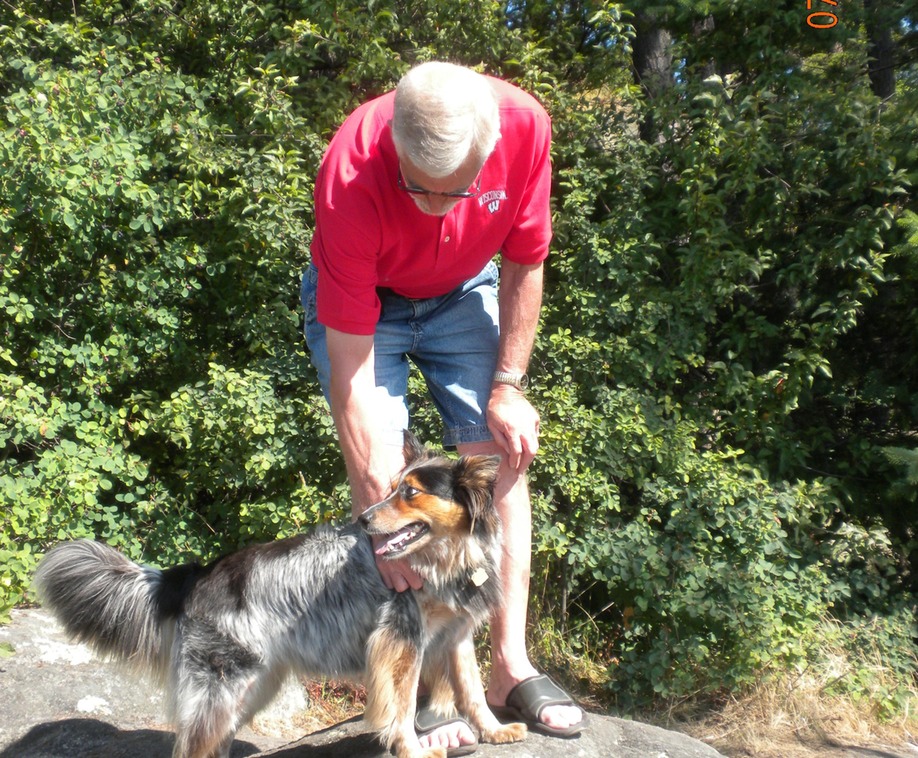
520	381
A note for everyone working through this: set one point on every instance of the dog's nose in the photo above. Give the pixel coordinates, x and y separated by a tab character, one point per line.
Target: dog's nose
365	519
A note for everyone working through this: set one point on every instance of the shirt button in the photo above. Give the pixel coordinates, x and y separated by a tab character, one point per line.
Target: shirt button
446	239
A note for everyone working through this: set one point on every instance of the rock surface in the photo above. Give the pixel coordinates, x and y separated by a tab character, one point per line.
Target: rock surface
60	701
605	736
92	738
57	700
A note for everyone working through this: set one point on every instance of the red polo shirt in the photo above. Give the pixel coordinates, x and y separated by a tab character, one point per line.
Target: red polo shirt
370	234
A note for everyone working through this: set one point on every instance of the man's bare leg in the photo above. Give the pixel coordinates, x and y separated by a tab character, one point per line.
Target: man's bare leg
510	662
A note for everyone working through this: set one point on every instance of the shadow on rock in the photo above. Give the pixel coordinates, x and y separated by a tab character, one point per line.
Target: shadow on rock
604	737
91	738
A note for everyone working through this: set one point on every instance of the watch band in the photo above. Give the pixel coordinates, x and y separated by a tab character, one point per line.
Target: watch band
520	381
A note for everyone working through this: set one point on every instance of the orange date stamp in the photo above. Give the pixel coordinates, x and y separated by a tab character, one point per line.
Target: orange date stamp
822	18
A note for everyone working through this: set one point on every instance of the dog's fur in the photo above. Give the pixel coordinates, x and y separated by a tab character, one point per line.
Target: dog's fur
223	637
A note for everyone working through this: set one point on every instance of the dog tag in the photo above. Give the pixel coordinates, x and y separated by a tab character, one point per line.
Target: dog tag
479	577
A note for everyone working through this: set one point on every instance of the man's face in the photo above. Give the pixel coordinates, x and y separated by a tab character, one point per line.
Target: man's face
433	195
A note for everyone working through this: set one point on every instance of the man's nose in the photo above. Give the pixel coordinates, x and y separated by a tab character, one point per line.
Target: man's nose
438	204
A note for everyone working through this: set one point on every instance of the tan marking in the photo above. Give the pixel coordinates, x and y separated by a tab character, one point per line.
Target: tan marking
444	517
393	669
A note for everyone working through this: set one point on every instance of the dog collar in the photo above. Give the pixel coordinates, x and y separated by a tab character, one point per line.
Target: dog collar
477	579
479	576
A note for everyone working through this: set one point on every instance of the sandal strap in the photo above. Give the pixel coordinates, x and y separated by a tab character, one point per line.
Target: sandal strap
426	719
531	695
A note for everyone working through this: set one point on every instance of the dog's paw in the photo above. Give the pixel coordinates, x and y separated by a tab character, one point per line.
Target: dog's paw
420	752
431	752
506	733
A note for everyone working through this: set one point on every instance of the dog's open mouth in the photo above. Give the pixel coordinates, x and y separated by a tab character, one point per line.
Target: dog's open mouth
398	541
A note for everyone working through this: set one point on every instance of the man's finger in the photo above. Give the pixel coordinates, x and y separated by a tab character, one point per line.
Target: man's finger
514	449
527	455
399	576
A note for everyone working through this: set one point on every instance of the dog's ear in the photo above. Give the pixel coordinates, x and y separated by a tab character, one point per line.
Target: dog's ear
475	478
412	449
477	471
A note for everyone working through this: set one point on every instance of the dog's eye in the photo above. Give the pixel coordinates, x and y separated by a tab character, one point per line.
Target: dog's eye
409	492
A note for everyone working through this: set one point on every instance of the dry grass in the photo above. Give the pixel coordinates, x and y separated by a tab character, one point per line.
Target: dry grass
825	710
795	720
784	717
307	706
833	705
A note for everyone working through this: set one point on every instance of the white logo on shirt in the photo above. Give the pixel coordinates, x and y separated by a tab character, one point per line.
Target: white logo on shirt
492	200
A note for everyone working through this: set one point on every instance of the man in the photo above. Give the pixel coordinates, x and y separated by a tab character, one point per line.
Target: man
419	189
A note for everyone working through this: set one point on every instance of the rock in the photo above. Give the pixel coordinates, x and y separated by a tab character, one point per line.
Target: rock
604	737
60	701
91	738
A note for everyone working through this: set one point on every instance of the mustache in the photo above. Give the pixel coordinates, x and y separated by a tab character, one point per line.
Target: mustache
423	205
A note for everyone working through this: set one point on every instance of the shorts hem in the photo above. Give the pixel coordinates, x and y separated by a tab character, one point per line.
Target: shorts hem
466	435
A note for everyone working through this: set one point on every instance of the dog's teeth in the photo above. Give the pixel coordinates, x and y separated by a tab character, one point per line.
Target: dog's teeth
397	540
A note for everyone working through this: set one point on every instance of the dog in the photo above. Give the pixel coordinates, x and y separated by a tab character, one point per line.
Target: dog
222	638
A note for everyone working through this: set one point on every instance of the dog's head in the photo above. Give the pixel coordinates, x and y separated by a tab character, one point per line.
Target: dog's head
434	499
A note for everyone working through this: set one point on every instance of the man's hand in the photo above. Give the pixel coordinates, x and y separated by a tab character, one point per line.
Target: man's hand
511	418
370	463
515	425
396	574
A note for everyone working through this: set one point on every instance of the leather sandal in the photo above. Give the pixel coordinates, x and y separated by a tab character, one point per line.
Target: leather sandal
427	720
527	700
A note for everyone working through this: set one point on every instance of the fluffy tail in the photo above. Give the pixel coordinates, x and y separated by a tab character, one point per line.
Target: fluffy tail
121	610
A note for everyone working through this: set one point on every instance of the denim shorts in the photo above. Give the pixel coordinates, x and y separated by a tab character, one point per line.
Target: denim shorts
453	341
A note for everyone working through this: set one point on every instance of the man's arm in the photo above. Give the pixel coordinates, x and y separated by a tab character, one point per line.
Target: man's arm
371	464
511	418
353	386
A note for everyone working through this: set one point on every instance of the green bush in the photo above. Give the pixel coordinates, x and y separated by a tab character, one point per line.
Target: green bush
153	226
721	374
727	352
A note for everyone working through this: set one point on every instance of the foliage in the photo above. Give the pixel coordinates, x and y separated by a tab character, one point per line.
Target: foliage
903	457
138	202
877	670
717	325
727	356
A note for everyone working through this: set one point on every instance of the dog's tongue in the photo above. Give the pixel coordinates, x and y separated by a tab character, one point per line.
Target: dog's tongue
395	541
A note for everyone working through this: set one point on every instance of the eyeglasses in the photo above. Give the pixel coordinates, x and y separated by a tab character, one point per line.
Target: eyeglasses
400	181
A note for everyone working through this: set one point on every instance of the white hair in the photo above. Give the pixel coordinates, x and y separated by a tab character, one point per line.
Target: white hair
444	114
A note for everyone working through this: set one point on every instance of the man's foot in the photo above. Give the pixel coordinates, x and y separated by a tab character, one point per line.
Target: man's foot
433	730
539	703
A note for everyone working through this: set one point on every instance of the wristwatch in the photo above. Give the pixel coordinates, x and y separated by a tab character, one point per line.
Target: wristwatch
520	381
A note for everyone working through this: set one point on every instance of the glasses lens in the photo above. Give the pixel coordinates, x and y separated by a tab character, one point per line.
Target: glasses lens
400	181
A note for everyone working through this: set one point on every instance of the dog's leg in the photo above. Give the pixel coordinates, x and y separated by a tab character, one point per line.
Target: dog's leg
470	695
206	723
211	711
213	680
393	671
437	677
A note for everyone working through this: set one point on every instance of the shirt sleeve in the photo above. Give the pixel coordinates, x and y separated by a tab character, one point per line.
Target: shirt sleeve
348	230
344	252
528	241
